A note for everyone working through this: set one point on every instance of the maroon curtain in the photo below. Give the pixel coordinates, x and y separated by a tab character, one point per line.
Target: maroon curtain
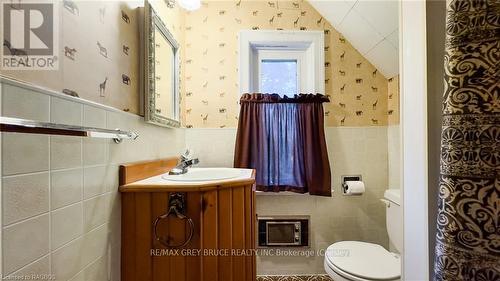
284	140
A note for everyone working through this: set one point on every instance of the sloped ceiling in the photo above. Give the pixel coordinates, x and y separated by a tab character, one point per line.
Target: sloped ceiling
371	27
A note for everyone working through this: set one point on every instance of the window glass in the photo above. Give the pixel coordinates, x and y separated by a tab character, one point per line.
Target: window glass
279	76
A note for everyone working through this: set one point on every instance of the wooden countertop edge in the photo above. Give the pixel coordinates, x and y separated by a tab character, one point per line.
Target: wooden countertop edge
186	188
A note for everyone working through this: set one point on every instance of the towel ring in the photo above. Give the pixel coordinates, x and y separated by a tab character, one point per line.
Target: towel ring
176	202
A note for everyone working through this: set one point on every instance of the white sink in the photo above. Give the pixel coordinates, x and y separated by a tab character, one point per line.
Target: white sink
205	174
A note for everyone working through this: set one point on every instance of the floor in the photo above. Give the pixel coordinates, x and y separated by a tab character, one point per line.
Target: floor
294	278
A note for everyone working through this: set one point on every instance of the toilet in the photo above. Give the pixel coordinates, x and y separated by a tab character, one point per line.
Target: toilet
362	261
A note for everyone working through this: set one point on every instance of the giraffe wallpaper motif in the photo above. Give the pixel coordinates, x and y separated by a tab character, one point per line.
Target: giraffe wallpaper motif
109	58
393	100
358	92
103	66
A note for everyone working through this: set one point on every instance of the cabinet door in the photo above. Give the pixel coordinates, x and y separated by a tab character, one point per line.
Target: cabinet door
209	236
224	229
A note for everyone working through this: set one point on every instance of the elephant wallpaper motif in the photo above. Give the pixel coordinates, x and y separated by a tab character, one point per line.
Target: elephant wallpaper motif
357	90
109	58
393	100
104	66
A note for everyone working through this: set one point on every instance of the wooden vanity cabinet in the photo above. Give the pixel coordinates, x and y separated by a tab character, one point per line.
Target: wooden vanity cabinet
223	244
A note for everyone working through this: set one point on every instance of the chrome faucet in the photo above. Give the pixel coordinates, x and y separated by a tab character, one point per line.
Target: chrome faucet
184	163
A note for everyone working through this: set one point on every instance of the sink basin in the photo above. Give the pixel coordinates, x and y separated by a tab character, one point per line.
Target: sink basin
205	174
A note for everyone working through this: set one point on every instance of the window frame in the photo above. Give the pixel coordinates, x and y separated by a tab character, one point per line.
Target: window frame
255	43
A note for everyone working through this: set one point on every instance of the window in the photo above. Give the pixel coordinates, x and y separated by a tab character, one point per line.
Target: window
282	62
281	71
279	76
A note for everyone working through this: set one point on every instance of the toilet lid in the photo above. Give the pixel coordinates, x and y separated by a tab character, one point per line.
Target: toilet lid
364	260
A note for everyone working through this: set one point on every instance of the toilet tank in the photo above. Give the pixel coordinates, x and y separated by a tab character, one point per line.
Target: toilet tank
394	217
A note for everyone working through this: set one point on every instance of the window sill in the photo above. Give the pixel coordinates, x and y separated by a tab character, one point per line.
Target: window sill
282	193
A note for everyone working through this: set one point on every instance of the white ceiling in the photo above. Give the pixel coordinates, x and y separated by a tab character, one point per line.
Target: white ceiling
371	26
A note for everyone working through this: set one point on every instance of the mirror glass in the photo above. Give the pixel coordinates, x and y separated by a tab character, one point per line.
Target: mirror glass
161	72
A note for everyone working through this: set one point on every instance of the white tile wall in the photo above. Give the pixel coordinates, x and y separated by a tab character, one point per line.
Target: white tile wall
65	152
61	107
95	211
24	153
351	151
94	117
94	181
95	271
25	196
67	261
60	205
66	187
94	152
25	103
40	267
213	147
394	155
25	242
66	224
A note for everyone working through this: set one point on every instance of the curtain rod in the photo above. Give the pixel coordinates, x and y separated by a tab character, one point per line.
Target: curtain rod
16	125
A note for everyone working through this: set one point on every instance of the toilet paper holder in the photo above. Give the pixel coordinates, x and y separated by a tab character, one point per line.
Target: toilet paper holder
345	179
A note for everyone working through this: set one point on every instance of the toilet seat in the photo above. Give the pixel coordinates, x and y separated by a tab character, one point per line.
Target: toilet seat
360	261
337	274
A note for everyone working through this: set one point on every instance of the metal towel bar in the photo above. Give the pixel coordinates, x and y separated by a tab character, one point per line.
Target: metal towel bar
16	125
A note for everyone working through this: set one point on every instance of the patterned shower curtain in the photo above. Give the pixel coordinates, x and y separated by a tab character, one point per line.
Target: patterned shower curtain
468	223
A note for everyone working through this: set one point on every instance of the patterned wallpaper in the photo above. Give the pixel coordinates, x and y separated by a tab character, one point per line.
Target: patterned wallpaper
99	52
99	59
393	100
358	92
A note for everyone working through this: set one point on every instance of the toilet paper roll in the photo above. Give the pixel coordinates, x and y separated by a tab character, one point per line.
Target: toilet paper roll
354	187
